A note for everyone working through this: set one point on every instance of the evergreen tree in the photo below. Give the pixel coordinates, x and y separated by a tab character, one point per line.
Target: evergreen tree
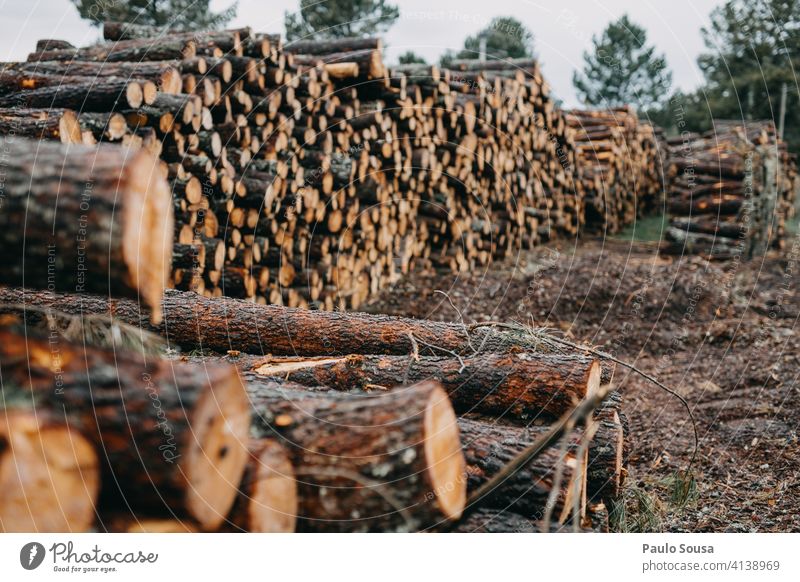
173	14
622	69
753	50
326	19
505	37
410	58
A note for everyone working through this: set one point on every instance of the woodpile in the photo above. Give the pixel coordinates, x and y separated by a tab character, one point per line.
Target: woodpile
374	440
619	174
311	174
731	191
306	175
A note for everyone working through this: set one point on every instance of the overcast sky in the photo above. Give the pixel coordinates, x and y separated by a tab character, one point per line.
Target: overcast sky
562	30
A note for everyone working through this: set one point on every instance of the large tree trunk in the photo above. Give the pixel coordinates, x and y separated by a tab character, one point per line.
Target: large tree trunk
83	219
49	473
60	124
171	434
520	386
223	324
489	447
390	462
267	500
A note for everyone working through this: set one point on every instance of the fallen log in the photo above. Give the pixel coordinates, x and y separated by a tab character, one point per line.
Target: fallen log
520	386
267	499
397	467
60	124
49	473
223	324
170	434
102	95
489	447
85	219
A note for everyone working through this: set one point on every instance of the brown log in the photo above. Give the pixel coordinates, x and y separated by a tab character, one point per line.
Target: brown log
170	434
267	500
324	47
97	95
489	447
51	123
85	219
49	473
397	467
137	50
519	386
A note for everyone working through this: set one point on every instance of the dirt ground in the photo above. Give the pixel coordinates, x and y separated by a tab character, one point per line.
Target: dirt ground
722	334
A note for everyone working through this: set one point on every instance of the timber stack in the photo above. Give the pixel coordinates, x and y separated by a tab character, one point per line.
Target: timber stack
620	171
310	174
434	412
731	191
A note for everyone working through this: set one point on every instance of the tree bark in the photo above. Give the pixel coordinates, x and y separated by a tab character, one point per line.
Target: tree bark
85	219
324	47
496	521
518	386
390	462
60	124
170	434
489	447
102	95
147	49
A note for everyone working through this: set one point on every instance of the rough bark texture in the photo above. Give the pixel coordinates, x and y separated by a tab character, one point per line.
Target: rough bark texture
223	324
94	95
267	499
518	386
60	124
605	470
84	219
162	49
170	434
489	447
390	462
496	521
49	473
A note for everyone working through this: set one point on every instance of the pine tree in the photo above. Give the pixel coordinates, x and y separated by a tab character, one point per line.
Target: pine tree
173	14
753	50
326	19
505	37
410	58
622	69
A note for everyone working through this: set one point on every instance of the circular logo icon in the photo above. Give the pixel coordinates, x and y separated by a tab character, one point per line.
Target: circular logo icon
31	555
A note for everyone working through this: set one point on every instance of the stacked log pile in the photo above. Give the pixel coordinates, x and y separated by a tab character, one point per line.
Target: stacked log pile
410	456
731	191
620	172
310	175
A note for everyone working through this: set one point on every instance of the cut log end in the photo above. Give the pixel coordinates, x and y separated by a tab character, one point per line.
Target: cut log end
49	476
268	501
218	452
594	378
69	130
147	227
445	462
